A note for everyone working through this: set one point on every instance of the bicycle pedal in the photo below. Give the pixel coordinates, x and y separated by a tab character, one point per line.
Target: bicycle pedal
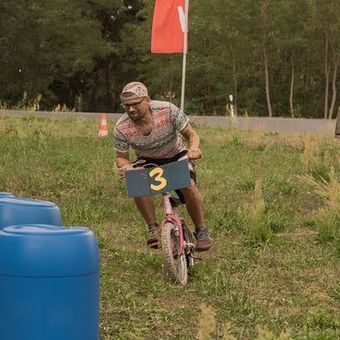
189	245
154	245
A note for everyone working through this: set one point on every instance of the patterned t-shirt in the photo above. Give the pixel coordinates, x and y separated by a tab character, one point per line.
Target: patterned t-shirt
164	140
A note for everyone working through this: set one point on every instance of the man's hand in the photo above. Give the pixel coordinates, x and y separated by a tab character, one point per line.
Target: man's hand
194	153
123	163
123	169
193	139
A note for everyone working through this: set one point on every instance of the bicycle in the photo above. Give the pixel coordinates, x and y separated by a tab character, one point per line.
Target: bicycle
177	241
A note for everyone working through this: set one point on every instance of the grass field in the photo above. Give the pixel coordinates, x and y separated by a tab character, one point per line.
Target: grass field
272	203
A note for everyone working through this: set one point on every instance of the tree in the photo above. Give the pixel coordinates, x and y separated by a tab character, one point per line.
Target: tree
292	25
328	18
45	40
334	41
276	57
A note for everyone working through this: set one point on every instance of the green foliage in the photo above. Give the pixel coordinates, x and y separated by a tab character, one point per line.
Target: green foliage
43	42
81	54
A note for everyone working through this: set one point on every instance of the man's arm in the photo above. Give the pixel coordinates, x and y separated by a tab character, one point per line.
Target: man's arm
123	163
193	139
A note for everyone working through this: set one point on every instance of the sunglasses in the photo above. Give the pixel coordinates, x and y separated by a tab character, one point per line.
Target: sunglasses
134	105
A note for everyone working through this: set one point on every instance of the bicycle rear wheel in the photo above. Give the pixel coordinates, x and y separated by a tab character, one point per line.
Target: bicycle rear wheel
175	260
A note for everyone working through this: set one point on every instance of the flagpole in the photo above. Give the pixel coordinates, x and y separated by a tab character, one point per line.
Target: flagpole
185	50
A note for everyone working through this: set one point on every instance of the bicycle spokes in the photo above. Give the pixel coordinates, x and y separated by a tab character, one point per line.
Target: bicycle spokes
175	257
178	255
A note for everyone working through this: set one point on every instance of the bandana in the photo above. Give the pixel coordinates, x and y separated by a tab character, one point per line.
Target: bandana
133	91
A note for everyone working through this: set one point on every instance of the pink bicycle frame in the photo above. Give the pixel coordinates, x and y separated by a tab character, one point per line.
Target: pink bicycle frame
172	217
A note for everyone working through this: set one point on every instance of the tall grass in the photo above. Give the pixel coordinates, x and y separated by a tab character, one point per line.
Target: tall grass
271	204
328	216
258	227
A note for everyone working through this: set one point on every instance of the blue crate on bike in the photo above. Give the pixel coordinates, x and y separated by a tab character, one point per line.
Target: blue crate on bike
159	179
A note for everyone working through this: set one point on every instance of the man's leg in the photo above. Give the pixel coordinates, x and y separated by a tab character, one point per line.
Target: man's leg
194	205
146	207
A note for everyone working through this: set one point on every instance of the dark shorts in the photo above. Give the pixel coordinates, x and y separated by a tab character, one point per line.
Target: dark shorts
162	161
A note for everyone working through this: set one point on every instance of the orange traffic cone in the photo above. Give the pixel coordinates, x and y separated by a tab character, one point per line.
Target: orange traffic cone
103	128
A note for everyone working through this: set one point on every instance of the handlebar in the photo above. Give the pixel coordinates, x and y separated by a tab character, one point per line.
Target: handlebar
145	163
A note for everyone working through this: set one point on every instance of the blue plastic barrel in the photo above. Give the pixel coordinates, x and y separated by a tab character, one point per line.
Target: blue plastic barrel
5	194
16	210
49	283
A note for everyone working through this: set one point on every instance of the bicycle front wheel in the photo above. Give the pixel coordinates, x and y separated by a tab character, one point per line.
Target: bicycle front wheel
175	261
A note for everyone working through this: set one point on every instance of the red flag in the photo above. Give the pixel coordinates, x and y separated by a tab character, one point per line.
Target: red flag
167	34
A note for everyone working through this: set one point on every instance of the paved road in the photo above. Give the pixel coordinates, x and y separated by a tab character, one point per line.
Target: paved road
279	125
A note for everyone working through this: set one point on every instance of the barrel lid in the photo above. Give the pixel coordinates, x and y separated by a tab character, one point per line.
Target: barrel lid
42	250
43	229
25	201
6	194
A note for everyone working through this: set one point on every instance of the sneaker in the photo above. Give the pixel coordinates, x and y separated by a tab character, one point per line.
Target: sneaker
204	242
153	236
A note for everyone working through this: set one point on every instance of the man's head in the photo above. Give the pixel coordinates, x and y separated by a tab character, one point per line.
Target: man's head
134	95
133	92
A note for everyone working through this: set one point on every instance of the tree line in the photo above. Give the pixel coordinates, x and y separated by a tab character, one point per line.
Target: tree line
277	58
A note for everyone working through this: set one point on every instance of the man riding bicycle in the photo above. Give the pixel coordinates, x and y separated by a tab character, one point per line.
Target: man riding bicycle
153	128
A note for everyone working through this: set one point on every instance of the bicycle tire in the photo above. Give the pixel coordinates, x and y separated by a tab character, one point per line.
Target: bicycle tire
189	239
175	259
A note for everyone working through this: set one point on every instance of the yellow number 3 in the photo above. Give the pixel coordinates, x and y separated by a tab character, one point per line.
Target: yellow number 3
157	173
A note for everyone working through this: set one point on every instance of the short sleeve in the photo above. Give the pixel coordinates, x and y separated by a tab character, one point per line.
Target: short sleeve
120	143
179	118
